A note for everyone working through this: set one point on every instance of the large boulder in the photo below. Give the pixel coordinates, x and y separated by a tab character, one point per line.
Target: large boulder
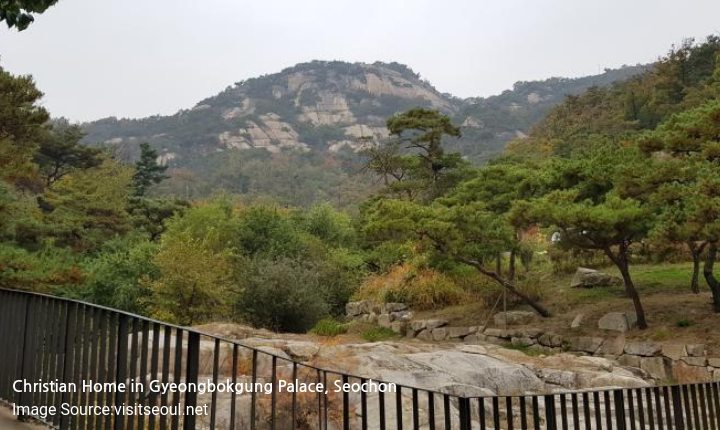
302	351
455	332
514	318
696	350
435	323
643	349
613	346
618	380
440	333
618	321
658	367
685	373
389	308
399	327
385	320
714	361
590	278
551	340
432	367
586	344
674	352
353	309
562	378
462	369
695	361
418	325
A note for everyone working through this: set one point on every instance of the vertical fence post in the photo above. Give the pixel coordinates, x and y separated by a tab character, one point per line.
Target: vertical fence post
550	416
620	409
25	352
191	376
121	368
677	408
464	406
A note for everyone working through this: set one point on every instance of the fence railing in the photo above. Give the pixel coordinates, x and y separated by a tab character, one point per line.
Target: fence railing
46	339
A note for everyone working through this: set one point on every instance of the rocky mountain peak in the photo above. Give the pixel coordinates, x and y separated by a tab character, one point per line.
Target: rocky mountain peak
331	107
320	105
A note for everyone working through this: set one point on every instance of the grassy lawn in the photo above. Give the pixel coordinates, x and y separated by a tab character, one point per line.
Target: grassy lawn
648	279
673	312
668	278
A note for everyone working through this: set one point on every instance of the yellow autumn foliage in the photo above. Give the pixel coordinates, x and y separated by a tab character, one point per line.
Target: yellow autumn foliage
417	287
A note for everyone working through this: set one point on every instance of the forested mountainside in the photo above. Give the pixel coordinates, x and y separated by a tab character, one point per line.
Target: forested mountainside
490	123
684	79
295	135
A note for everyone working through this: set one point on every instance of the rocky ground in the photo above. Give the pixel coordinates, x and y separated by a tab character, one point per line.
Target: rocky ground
472	370
482	369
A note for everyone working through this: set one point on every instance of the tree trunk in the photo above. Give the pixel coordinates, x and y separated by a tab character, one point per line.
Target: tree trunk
498	264
710	276
694	282
696	252
511	267
507	285
621	261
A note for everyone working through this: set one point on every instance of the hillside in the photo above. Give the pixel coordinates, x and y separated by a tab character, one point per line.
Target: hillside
318	115
321	106
489	123
685	78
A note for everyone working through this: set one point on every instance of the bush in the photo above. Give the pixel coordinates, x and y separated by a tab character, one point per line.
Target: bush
115	275
282	295
683	323
386	255
568	260
334	228
330	328
269	232
195	283
419	288
377	334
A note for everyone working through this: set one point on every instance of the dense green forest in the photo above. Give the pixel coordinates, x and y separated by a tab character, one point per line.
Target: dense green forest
626	173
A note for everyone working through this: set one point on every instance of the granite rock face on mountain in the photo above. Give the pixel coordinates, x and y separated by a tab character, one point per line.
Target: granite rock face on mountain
333	107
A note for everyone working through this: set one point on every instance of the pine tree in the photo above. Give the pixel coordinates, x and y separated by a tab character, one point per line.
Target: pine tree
147	170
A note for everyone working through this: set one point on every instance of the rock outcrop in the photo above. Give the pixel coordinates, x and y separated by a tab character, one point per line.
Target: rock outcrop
460	369
590	278
480	369
618	321
514	318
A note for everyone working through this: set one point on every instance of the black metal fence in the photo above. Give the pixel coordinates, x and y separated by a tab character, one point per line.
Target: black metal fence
50	339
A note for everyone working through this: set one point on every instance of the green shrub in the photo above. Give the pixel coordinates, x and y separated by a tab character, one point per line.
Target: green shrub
683	323
118	275
330	328
386	255
282	295
377	334
568	260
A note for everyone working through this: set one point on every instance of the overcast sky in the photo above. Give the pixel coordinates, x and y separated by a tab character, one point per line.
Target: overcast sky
134	58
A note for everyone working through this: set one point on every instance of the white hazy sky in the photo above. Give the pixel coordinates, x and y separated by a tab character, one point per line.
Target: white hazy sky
134	58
